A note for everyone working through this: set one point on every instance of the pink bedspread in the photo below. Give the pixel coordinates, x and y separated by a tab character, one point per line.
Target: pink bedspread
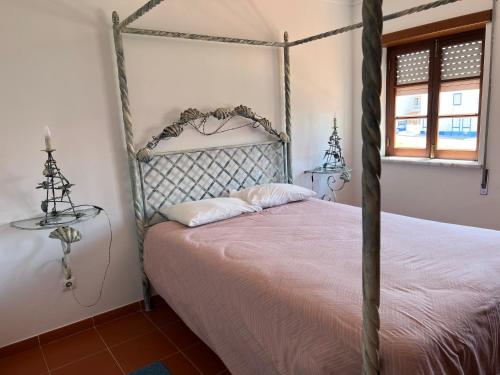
279	292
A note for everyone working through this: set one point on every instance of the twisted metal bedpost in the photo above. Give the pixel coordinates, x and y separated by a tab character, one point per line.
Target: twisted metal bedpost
288	115
140	12
132	160
372	85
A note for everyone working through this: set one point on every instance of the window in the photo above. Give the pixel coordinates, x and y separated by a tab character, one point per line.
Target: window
434	97
457	98
416	104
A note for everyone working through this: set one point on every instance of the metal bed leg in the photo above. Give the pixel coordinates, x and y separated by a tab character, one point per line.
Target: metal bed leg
146	291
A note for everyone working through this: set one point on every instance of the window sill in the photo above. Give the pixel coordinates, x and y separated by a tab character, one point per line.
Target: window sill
432	162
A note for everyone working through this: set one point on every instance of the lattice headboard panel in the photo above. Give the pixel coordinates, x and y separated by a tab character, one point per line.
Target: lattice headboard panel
176	177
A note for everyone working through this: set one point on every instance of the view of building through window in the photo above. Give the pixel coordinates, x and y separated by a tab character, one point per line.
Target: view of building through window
458	116
411	116
458	119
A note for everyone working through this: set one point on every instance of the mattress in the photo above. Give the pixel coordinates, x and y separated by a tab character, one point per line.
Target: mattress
279	292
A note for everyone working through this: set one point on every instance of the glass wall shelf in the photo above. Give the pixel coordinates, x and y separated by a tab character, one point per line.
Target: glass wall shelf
36	223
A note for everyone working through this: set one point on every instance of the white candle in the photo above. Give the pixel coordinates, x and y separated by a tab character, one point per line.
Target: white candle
48	139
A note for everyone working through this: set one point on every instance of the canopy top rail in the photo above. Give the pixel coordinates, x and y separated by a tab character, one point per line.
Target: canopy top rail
140	12
392	16
209	38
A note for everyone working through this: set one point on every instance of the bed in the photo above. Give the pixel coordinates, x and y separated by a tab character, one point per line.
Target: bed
279	292
458	291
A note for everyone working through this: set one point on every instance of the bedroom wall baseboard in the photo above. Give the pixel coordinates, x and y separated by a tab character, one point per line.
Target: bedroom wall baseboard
76	327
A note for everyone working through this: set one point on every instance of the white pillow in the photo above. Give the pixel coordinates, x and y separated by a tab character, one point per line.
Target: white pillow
207	211
269	195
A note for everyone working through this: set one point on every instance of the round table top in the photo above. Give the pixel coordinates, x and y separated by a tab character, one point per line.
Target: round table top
323	170
68	218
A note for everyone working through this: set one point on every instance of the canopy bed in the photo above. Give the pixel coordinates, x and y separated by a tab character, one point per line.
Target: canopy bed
160	179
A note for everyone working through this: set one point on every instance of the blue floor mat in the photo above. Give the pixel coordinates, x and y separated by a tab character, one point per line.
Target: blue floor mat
155	368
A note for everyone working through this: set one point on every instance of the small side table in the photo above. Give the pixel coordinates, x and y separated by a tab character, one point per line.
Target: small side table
63	232
337	178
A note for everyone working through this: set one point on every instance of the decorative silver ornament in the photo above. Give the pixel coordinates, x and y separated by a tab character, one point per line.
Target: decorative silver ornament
266	124
221	113
173	130
66	234
284	137
145	154
244	111
190	114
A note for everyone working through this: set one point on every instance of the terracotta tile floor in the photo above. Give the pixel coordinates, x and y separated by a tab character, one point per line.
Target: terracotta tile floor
120	346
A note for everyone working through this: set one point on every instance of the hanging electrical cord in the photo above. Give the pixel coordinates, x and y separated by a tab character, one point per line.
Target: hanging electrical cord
108	263
485	175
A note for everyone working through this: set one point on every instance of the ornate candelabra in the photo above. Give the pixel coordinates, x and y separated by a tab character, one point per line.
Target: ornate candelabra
333	155
57	207
57	198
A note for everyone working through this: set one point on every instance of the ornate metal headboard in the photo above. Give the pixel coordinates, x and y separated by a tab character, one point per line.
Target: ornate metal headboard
173	177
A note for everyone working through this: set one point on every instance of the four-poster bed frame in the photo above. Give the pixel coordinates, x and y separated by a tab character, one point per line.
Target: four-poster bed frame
372	22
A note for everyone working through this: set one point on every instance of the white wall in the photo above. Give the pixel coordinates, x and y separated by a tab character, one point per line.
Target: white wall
57	69
433	192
